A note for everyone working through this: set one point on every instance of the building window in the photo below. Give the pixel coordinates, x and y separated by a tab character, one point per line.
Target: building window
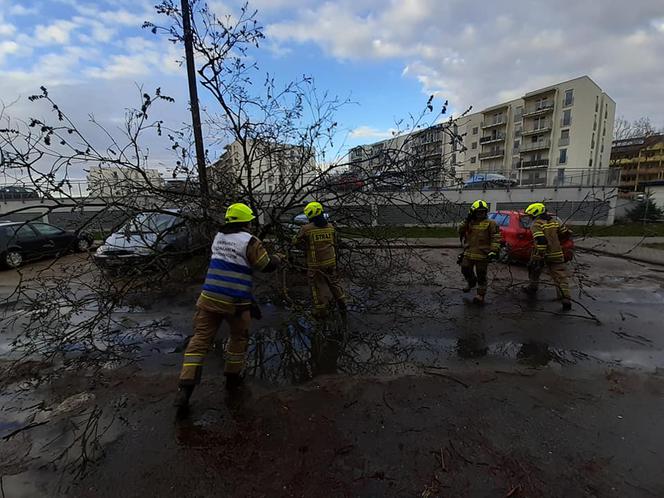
606	110
569	97
596	103
518	114
604	131
517	143
560	179
474	145
475	130
567	118
562	159
564	137
590	162
473	160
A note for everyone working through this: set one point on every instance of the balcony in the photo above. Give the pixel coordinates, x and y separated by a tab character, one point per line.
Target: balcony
498	137
540	145
541	128
492	154
494	122
539	109
535	163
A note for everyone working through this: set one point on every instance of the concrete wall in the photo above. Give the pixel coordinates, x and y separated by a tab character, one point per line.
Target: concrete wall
577	205
657	193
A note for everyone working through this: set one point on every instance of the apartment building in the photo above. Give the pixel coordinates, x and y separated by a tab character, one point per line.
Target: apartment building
268	166
116	181
557	135
638	160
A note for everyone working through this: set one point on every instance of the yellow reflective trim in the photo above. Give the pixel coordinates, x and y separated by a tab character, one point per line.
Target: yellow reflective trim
191	364
193	354
260	264
230	303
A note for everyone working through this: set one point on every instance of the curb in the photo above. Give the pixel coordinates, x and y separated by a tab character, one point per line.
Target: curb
649	261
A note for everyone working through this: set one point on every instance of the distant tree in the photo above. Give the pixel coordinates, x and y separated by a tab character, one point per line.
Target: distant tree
646	211
642	127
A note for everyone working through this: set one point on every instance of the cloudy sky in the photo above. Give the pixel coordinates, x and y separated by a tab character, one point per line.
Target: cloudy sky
388	55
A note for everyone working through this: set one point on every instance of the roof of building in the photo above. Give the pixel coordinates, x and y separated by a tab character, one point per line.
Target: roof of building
551	87
638	142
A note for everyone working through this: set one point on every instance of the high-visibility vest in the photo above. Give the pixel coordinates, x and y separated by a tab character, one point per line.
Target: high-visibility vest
229	277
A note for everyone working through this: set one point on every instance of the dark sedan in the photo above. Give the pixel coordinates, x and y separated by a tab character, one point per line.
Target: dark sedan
24	241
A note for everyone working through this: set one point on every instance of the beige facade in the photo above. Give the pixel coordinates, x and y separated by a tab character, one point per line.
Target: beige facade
265	167
557	135
114	181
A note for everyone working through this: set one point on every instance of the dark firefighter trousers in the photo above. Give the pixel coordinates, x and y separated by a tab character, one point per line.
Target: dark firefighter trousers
206	325
322	279
558	272
475	273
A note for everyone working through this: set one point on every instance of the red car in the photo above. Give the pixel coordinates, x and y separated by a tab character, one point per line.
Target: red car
515	230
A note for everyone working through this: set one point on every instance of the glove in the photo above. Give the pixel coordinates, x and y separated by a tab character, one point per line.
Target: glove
492	256
459	259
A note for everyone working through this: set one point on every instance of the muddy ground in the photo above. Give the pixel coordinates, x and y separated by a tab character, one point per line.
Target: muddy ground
430	396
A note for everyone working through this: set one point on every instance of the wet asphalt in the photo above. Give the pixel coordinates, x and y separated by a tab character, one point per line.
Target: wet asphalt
422	394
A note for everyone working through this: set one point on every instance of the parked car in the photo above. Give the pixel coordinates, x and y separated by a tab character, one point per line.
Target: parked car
151	238
345	182
25	241
515	231
14	193
489	180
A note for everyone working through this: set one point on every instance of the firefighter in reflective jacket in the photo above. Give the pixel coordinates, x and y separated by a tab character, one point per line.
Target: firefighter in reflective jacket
481	242
226	296
319	239
547	234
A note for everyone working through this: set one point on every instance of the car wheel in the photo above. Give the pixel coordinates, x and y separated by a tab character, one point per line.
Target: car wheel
13	259
82	245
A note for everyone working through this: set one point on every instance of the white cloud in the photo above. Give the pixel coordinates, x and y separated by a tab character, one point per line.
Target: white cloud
22	10
368	132
57	32
478	53
7	48
7	29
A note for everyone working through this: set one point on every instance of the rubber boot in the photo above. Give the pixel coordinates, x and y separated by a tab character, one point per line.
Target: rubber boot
479	299
234	381
567	305
181	401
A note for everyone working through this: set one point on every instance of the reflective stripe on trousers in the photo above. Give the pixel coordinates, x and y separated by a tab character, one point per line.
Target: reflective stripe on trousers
206	325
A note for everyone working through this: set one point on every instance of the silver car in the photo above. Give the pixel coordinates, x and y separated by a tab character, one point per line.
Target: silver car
150	239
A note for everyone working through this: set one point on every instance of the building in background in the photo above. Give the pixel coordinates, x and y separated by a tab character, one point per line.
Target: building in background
638	160
266	166
557	135
117	181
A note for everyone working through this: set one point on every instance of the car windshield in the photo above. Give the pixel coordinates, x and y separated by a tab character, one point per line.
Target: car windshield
151	222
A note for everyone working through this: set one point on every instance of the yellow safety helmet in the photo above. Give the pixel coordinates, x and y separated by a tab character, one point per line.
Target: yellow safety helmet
239	213
313	209
536	209
479	204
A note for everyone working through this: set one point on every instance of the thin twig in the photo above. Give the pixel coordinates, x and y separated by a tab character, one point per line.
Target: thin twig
25	428
449	377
